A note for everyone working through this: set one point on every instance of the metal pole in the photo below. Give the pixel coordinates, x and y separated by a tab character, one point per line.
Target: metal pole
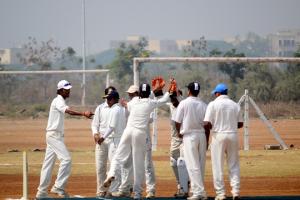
56	71
269	125
136	73
25	176
246	122
83	53
107	80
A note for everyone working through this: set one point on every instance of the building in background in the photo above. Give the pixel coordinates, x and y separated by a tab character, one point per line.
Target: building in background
284	43
11	56
169	47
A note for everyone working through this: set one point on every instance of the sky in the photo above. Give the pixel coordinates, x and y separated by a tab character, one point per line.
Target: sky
108	20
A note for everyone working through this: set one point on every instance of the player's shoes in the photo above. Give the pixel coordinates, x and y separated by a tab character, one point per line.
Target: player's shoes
121	194
197	197
150	195
41	195
100	195
59	192
108	195
108	181
236	198
220	197
180	193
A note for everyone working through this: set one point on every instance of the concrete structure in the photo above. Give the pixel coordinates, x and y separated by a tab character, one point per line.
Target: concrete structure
11	56
284	42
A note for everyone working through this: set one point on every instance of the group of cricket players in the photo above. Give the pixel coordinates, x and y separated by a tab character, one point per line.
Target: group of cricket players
123	150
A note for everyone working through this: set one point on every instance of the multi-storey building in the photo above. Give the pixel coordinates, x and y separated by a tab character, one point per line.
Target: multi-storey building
284	42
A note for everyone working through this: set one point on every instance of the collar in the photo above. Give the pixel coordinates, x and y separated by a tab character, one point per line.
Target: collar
223	96
59	96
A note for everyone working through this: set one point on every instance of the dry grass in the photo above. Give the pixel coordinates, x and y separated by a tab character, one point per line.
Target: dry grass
256	163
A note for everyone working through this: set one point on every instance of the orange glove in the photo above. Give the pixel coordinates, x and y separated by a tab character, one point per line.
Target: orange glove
158	83
172	86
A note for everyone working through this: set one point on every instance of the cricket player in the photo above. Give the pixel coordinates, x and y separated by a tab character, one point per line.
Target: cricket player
133	93
115	126
224	117
133	141
175	147
99	126
56	147
190	114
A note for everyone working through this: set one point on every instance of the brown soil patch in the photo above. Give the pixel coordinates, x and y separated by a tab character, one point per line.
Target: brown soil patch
29	134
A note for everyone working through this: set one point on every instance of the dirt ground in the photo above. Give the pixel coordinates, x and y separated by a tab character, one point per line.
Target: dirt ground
29	134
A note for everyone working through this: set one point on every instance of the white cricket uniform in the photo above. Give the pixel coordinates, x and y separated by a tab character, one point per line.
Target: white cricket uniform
190	113
224	115
99	125
127	176
116	122
55	147
133	141
175	142
149	167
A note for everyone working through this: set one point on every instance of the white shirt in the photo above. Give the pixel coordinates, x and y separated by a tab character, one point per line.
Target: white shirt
57	115
190	113
117	120
224	115
140	109
99	123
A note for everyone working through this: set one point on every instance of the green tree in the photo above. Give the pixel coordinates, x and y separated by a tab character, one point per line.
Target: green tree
41	54
287	88
121	67
260	82
234	70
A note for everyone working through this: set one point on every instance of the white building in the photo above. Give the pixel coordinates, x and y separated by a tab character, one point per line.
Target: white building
11	56
158	46
284	42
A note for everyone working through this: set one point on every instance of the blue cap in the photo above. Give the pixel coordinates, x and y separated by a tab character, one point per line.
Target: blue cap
220	88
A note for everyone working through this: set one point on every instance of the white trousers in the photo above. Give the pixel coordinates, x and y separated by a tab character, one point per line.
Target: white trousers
149	167
103	154
194	145
127	178
225	145
55	148
174	151
133	142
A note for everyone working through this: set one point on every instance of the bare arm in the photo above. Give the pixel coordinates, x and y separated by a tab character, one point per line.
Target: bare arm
178	125
87	114
207	126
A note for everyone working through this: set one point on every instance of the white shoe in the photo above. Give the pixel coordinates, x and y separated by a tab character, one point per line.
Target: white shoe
197	197
59	192
150	195
121	194
220	197
41	195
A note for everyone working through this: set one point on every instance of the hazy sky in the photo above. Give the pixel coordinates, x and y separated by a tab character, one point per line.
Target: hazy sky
158	19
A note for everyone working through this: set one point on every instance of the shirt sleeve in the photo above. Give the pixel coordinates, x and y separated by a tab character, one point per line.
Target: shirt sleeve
96	121
61	106
162	100
179	113
209	113
113	117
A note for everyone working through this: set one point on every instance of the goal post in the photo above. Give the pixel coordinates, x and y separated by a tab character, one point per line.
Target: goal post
137	61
